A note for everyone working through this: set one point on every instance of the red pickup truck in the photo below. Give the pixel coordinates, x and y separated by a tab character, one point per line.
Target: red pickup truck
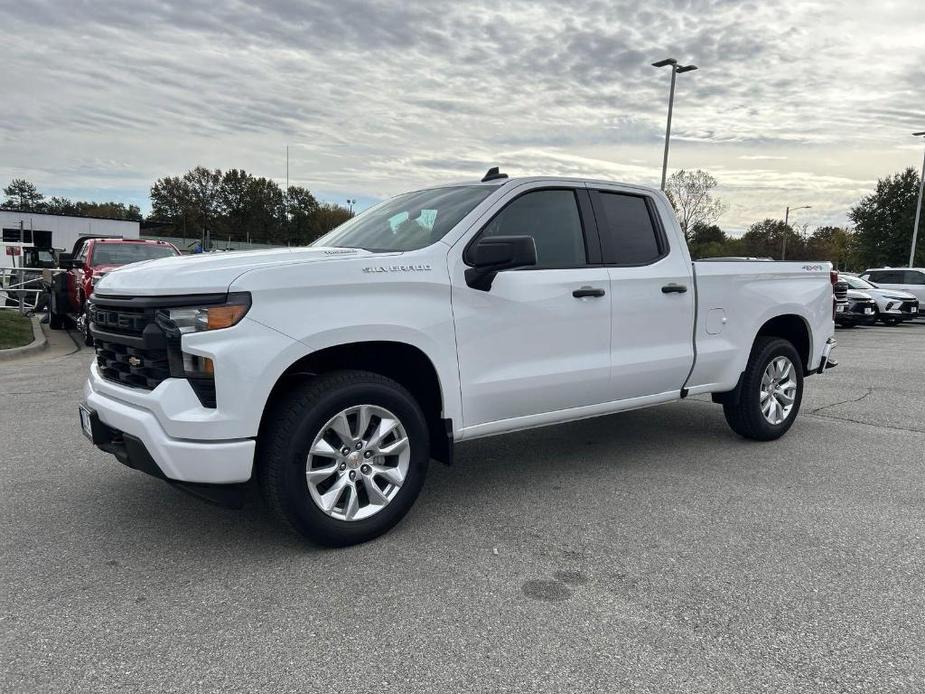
90	260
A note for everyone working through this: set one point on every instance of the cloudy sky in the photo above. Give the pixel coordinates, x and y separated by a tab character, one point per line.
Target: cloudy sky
795	102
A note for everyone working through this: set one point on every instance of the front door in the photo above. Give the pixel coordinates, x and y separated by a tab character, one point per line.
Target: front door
538	340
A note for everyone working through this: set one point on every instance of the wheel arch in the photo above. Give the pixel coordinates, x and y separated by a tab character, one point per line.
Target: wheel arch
788	326
402	362
793	328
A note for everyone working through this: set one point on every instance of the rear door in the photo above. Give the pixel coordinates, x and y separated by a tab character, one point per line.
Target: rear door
652	294
538	341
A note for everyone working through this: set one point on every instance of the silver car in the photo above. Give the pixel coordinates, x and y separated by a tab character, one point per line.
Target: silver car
911	279
893	305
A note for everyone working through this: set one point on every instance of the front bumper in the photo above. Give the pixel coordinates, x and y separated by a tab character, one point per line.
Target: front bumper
856	316
135	429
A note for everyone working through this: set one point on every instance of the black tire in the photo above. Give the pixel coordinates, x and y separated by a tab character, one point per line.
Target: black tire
745	416
293	422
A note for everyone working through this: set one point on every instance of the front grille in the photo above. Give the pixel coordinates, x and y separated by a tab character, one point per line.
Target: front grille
135	347
132	366
859	306
841	290
907	306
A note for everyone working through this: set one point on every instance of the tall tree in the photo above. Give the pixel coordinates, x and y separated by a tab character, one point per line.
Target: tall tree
302	211
203	186
834	244
707	240
691	195
22	195
766	239
884	219
171	203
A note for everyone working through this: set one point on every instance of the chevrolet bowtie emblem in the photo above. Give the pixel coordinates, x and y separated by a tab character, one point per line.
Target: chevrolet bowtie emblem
134	361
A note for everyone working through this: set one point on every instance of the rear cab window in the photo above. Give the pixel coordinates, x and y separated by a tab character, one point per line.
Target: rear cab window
631	234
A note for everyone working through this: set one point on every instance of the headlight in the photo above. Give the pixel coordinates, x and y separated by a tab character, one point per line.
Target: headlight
194	319
179	321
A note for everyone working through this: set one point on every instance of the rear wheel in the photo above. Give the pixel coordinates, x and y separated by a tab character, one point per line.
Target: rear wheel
344	456
770	392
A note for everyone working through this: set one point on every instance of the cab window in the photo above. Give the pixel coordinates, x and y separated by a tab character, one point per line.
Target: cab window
551	217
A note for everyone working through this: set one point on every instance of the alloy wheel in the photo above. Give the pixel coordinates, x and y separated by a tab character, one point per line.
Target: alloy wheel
778	390
358	462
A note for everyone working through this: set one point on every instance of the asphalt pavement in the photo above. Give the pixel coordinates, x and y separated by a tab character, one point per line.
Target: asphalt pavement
651	551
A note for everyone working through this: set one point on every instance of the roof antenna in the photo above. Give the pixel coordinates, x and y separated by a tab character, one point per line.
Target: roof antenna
494	174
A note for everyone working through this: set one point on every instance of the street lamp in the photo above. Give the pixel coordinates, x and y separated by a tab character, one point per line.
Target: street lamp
918	208
783	251
351	203
675	71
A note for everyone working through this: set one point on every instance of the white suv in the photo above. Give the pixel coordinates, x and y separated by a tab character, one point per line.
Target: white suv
911	279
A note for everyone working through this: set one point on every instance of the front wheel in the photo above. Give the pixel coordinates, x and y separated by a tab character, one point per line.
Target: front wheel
343	456
770	392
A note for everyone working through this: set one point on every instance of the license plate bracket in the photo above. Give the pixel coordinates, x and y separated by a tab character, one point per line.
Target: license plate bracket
91	426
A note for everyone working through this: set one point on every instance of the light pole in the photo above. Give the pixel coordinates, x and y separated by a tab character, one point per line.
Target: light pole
918	209
675	71
783	250
351	203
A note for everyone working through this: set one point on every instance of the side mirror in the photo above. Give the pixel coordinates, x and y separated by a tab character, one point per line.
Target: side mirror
65	261
492	254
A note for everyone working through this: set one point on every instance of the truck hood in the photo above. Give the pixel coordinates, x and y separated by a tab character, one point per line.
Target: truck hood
206	273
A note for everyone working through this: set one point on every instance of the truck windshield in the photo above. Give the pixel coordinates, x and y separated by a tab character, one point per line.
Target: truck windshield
407	222
125	253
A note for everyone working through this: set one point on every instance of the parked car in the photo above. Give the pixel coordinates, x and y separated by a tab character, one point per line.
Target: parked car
859	309
893	305
334	373
910	280
91	259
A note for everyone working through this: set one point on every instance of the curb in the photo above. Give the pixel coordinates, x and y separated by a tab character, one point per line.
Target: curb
39	342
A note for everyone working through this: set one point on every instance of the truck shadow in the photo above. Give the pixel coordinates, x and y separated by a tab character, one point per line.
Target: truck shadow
589	452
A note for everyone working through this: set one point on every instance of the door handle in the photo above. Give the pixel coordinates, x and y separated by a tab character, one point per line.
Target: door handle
587	291
674	289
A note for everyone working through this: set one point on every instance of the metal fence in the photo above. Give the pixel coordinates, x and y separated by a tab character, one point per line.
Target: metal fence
25	289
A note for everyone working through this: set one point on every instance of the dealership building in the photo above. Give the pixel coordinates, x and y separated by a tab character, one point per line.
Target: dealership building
60	231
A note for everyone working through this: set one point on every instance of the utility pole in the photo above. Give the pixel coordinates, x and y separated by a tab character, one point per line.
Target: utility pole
675	71
918	209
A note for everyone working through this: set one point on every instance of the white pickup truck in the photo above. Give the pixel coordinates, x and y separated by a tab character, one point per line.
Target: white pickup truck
333	374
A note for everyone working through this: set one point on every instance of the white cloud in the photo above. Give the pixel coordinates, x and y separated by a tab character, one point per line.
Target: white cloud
379	97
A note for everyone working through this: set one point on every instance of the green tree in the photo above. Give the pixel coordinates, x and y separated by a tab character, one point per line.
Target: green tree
330	216
171	204
767	239
302	211
60	205
707	241
203	185
883	222
691	195
834	244
22	195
